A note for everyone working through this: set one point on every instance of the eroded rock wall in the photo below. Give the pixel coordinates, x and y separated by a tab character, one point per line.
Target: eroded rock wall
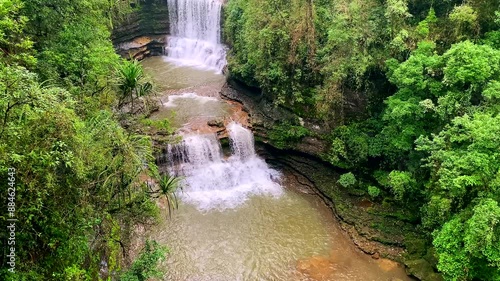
377	229
266	117
150	19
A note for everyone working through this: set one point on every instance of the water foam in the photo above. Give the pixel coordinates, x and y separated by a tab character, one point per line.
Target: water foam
212	182
201	99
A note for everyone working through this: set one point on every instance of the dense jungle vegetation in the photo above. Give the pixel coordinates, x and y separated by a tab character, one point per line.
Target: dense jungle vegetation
409	90
77	170
426	75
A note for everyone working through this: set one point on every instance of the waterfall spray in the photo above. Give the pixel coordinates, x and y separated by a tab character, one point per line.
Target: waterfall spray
195	30
210	181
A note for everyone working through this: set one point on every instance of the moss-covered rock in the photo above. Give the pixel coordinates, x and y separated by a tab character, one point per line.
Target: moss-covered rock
150	19
277	125
423	270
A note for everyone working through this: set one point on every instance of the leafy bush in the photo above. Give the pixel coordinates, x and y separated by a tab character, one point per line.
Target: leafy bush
349	147
146	265
347	180
373	191
401	183
285	134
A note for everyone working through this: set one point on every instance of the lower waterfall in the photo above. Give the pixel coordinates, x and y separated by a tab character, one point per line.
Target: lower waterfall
211	181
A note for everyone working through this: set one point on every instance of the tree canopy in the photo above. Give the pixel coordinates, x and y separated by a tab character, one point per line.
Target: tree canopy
427	138
77	170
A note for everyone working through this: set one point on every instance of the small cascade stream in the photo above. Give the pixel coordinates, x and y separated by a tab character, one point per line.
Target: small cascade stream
213	181
196	34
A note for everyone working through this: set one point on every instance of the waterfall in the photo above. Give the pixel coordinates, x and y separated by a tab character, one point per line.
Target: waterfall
211	181
242	144
195	31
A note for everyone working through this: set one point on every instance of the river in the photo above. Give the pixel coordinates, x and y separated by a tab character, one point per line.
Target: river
238	218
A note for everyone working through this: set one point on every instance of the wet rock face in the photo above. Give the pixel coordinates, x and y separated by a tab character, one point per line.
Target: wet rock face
141	47
264	117
219	123
423	270
150	20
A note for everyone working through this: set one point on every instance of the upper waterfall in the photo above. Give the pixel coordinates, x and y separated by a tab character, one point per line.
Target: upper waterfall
195	28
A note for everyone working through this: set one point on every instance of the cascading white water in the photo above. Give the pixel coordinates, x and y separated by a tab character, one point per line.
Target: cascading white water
195	34
210	181
242	143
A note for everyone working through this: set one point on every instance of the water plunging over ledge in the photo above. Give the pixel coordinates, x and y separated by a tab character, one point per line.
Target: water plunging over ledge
212	182
195	34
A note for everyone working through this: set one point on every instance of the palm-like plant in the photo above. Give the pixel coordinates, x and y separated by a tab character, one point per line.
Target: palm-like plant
168	185
131	82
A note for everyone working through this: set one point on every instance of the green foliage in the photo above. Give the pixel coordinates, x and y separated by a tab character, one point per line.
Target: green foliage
132	83
429	136
464	192
146	265
117	11
423	29
74	273
15	46
432	89
347	180
349	148
464	161
308	56
63	161
468	245
464	17
77	169
401	183
72	43
373	191
285	135
351	30
274	48
396	12
470	66
168	185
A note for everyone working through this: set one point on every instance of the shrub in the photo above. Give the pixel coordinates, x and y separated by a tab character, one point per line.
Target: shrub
373	191
347	180
146	265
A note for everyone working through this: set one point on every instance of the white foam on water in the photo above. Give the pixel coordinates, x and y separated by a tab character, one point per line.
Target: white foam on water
212	182
195	30
201	99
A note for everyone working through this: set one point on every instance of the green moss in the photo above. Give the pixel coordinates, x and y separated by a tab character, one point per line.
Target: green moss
286	135
415	246
224	142
151	127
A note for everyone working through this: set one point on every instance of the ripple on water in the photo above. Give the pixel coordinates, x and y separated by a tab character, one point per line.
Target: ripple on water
292	237
171	76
